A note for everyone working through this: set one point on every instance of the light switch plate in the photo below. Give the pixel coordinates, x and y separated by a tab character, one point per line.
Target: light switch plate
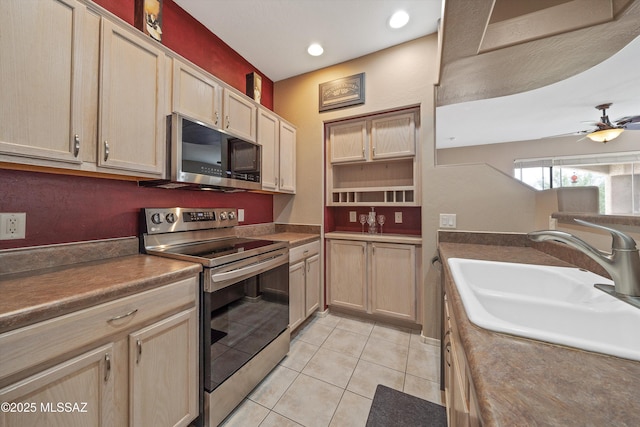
240	215
398	217
447	220
352	216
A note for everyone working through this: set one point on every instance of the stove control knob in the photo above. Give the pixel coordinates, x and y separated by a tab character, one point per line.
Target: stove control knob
232	215
171	218
156	218
223	216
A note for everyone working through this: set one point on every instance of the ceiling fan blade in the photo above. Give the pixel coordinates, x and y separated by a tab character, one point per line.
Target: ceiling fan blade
629	119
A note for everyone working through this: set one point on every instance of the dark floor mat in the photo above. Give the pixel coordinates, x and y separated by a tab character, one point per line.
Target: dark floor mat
394	408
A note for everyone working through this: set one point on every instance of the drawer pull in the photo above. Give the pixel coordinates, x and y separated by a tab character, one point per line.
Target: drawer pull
306	252
139	352
107	367
122	316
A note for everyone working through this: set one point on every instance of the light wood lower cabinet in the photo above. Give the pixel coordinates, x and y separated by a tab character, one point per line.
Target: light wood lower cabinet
304	283
462	407
136	364
373	277
76	392
163	379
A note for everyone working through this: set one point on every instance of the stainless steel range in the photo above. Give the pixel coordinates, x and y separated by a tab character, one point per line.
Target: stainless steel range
244	304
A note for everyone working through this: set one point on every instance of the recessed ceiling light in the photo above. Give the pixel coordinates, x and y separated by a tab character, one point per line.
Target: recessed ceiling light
315	49
399	19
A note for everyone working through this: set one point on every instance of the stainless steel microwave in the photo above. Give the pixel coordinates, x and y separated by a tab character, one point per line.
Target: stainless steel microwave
205	157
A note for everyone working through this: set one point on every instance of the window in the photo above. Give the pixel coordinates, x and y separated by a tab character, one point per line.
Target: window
616	175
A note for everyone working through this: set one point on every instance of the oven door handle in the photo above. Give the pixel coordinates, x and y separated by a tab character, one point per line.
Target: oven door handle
249	269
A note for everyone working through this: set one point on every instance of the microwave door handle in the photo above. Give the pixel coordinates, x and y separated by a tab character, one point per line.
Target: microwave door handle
243	271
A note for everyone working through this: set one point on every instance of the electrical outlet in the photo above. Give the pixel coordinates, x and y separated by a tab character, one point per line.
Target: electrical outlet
398	217
447	220
13	226
352	216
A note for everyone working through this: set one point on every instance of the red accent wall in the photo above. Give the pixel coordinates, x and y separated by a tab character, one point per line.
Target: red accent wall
337	219
63	208
184	35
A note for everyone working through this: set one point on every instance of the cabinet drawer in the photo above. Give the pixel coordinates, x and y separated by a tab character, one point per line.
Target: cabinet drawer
32	345
304	251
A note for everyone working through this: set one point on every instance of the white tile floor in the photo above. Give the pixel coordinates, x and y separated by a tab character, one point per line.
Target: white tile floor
330	375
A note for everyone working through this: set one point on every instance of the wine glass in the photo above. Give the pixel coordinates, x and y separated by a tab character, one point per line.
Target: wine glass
381	220
363	220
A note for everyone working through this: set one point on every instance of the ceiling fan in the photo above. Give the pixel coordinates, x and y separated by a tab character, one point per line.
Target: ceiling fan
606	130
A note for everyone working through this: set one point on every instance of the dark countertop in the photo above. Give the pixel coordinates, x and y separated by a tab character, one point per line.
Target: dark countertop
34	296
523	382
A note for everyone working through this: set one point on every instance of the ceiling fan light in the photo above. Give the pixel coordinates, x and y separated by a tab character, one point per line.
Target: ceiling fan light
605	135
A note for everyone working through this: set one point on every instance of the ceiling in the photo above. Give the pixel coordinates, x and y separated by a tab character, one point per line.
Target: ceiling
511	69
273	35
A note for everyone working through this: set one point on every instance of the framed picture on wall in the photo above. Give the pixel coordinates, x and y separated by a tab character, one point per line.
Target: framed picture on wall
341	93
148	17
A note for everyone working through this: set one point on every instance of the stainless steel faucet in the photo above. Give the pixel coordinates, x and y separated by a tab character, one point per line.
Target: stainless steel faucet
622	264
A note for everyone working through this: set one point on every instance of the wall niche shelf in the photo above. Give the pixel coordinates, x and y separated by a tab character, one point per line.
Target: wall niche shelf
391	179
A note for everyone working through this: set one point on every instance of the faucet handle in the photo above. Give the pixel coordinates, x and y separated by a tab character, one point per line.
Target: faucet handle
620	241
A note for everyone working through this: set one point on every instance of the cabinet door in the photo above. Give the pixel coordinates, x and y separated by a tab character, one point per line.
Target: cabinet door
393	136
132	123
296	294
268	135
196	95
348	274
40	80
163	372
239	115
312	282
393	282
287	158
348	142
84	386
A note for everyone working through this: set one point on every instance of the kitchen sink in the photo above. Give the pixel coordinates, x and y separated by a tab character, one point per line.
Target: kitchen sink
559	305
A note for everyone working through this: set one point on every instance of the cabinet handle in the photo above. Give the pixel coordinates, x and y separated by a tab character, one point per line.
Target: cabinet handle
281	182
106	151
217	118
122	316
107	367
305	252
448	350
76	145
228	122
139	352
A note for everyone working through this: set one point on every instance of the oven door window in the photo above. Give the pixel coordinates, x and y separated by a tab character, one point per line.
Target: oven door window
244	318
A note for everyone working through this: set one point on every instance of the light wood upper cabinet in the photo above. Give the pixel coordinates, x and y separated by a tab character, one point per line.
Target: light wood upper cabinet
278	141
287	158
374	160
40	76
86	383
196	95
132	125
348	274
269	139
393	136
239	115
393	280
348	142
163	369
